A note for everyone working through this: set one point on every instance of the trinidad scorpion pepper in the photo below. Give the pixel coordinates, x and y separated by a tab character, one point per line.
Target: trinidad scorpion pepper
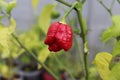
59	37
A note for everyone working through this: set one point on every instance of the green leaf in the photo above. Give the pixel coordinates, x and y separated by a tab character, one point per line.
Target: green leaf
35	4
45	17
12	26
115	74
116	50
32	39
5	33
115	60
43	54
4	69
7	6
10	6
93	73
112	31
3	3
102	61
4	41
35	44
118	1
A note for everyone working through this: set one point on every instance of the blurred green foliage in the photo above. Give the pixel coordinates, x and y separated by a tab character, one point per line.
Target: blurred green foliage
113	31
102	61
5	33
33	39
108	64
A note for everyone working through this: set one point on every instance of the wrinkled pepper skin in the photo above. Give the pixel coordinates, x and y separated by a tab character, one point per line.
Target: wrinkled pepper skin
59	37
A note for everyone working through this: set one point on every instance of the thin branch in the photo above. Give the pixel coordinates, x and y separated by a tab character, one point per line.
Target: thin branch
103	4
112	4
109	11
83	1
68	11
34	56
65	3
84	39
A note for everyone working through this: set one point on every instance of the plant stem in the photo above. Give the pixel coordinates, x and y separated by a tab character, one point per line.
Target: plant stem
65	3
83	1
34	56
111	7
59	62
109	10
67	13
84	39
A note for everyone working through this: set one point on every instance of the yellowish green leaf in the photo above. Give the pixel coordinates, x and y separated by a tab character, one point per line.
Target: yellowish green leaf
4	70
3	3
116	50
32	39
102	61
43	54
115	74
35	44
5	33
45	17
10	6
4	40
112	31
12	25
35	4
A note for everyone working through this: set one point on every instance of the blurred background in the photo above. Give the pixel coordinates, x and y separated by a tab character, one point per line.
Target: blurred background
98	19
32	34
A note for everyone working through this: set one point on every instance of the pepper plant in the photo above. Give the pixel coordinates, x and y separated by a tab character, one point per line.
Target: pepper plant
12	46
59	36
107	64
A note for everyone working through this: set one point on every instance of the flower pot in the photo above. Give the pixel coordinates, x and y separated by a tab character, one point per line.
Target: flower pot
33	74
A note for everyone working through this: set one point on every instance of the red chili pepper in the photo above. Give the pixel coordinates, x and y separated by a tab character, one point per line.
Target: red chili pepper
59	37
47	76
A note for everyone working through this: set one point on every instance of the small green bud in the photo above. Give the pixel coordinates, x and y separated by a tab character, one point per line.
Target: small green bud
55	14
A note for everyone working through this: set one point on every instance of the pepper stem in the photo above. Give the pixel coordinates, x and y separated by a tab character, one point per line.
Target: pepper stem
67	13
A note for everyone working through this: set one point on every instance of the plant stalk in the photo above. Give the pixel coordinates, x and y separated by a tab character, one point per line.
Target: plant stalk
111	7
83	1
84	38
65	3
68	12
109	10
34	56
59	62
